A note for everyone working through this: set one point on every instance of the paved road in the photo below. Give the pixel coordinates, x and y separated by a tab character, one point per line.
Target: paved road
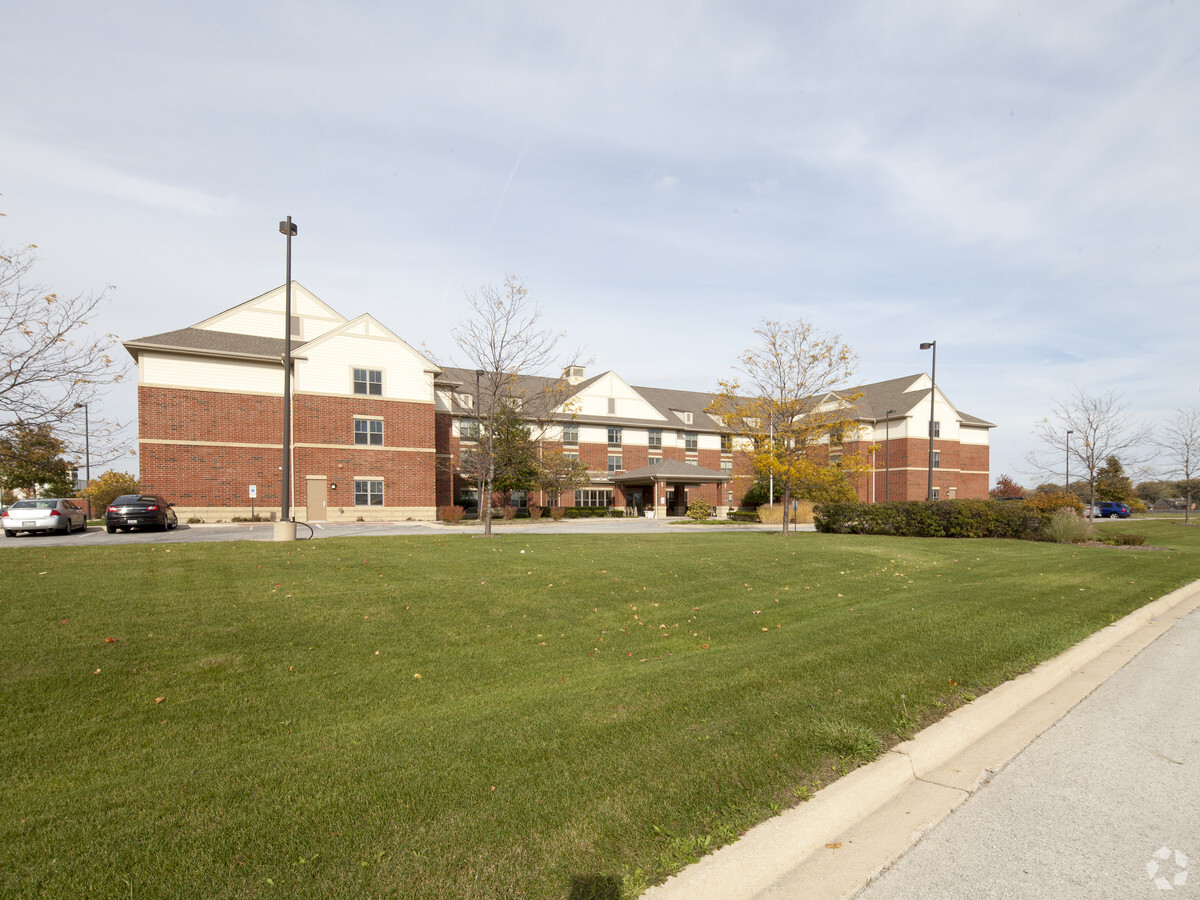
1088	809
266	532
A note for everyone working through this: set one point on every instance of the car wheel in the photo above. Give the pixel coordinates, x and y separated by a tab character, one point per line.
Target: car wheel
8	533
83	527
70	528
111	529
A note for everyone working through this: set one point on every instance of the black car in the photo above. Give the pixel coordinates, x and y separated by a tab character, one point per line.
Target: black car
131	511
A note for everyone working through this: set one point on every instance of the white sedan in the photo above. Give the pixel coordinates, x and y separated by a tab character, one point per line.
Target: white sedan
45	514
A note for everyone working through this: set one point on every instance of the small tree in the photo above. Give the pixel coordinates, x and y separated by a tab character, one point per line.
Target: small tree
32	457
107	488
560	474
1181	443
1006	489
505	342
789	412
1112	482
1090	428
515	463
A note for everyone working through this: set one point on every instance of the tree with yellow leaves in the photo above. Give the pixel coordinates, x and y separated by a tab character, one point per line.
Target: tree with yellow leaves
790	416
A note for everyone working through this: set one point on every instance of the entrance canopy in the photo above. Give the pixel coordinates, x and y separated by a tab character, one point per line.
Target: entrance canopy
672	471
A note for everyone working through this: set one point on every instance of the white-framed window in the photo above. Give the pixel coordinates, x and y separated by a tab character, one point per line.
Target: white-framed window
835	459
937	493
655	460
690	440
654	437
727	443
614	436
570	454
570	433
936	427
727	467
937	459
519	499
368	492
294	325
368	381
594	498
368	432
612	406
468	429
614	463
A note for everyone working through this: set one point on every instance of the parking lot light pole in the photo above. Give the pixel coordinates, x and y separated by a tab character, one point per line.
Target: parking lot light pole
1067	484
478	468
887	456
285	529
931	345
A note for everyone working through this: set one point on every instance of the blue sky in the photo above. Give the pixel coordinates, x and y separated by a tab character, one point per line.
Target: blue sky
1015	180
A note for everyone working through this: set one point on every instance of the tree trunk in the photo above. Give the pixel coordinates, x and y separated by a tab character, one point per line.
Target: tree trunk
787	505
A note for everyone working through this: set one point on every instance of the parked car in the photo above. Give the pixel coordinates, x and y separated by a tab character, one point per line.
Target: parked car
131	511
1091	512
1111	509
44	514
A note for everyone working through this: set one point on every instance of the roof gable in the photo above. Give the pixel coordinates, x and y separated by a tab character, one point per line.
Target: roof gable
608	394
263	315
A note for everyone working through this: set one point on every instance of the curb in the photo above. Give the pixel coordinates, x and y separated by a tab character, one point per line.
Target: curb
765	860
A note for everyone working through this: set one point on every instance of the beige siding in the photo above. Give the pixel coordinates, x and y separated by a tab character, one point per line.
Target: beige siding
329	367
203	374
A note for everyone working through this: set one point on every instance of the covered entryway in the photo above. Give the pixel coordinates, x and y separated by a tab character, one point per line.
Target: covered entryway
654	482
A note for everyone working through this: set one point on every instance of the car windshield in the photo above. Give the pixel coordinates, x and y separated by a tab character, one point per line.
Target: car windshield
34	504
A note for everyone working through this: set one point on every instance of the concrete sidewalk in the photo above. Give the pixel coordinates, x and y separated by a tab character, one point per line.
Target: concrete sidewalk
1104	745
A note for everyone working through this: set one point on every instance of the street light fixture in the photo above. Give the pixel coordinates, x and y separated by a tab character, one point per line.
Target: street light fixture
931	345
887	456
287	228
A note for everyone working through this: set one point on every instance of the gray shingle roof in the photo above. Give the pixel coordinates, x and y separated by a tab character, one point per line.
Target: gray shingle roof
215	343
671	470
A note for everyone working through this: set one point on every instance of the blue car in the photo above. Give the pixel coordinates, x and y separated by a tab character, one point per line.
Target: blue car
1110	510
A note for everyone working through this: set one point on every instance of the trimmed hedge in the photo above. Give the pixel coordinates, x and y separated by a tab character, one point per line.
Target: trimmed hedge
940	518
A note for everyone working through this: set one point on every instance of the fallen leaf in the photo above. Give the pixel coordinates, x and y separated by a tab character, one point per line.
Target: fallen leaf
416	674
833	846
159	699
110	640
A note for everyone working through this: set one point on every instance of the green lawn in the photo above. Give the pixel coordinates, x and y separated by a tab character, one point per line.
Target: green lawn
531	716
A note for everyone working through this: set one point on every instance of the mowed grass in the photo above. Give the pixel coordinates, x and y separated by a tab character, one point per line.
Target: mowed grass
527	716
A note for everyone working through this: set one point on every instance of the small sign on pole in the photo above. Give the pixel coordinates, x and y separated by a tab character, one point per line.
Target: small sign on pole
253	494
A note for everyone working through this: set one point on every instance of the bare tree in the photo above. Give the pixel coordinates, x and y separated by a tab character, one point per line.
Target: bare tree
1089	428
786	409
1181	444
505	341
52	368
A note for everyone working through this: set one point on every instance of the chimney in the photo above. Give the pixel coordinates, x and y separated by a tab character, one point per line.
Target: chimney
573	374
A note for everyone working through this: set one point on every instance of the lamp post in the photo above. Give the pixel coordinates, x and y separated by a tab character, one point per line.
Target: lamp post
286	530
771	471
87	454
887	456
931	345
478	470
1067	483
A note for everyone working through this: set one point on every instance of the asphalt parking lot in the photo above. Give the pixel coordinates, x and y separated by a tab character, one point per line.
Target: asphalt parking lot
265	531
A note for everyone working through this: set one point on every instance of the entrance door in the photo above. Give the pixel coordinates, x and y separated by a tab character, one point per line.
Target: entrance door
316	499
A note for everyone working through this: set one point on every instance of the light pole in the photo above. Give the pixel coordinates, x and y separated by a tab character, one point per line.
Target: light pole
887	456
478	470
771	471
87	454
931	345
286	531
1067	485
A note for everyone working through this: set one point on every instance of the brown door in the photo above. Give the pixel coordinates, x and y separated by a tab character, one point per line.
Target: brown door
316	499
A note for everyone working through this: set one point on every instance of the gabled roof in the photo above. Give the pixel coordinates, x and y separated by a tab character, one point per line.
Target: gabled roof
671	470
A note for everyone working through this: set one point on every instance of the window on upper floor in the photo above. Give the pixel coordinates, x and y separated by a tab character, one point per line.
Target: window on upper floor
937	459
468	429
570	434
614	463
368	381
727	467
690	440
614	436
612	406
295	326
368	432
655	460
654	437
936	428
727	443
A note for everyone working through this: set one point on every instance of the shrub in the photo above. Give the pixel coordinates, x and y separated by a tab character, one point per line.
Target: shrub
1065	527
770	515
699	509
107	488
451	514
535	512
508	512
940	518
616	512
195	520
743	515
1124	539
557	513
773	515
1049	501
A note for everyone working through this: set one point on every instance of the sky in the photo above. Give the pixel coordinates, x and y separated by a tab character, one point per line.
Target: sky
1018	181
